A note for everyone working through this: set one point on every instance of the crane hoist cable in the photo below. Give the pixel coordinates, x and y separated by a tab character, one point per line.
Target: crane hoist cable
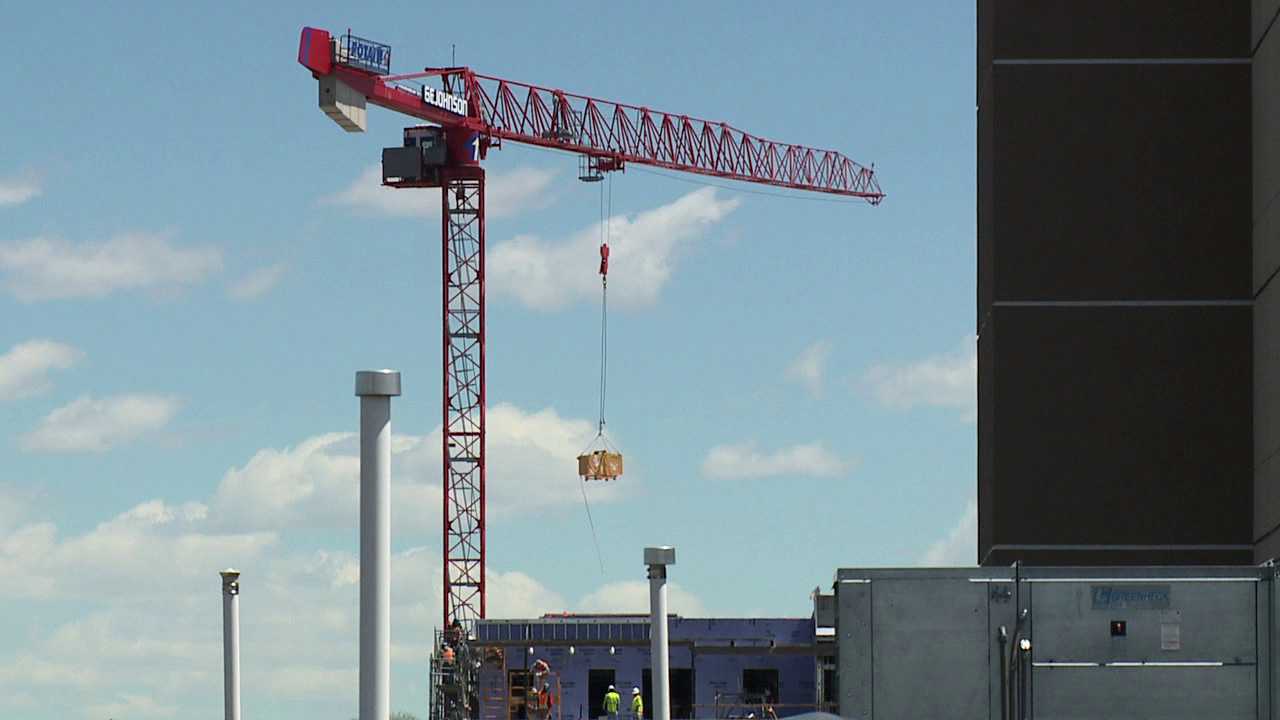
606	213
601	460
606	210
592	524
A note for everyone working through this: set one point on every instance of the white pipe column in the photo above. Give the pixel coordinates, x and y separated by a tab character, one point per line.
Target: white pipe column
658	558
375	389
231	643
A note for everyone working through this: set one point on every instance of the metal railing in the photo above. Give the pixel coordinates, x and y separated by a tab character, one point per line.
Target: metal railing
363	54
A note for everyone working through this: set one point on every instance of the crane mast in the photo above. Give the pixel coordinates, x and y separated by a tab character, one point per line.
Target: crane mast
466	115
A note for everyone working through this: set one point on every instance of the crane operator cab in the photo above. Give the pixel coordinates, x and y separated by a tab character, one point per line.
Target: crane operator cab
419	161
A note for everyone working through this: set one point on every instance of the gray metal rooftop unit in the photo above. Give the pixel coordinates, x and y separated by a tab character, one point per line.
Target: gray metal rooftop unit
1055	643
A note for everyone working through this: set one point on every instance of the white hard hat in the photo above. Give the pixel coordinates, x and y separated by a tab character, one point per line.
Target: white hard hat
635	691
611	687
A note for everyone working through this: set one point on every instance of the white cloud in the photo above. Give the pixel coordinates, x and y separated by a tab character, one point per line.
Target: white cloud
151	546
532	469
506	193
142	632
24	369
533	461
34	672
257	283
150	626
948	380
53	269
147	631
131	705
546	275
747	461
632	596
315	483
18	190
96	425
959	547
14	505
144	635
810	366
514	594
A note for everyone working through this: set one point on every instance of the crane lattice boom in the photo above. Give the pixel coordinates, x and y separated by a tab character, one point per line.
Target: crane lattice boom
611	133
469	114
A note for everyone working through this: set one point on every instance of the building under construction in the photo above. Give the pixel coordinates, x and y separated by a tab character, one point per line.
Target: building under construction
720	668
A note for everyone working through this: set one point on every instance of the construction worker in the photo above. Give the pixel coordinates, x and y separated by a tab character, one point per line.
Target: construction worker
541	669
767	711
637	704
611	702
545	700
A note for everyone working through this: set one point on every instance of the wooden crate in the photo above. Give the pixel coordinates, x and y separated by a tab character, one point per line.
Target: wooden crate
600	465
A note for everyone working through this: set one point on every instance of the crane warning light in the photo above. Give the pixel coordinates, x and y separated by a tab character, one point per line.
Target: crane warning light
363	54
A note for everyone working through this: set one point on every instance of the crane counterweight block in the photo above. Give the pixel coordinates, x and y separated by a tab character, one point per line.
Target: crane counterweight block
343	104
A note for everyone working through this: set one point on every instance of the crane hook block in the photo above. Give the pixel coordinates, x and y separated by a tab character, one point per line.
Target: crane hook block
604	259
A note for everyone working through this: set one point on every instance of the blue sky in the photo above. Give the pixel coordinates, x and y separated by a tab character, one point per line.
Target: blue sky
193	263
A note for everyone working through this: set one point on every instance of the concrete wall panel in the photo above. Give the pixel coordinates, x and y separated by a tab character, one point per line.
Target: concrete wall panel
1116	182
1266	374
1123	425
1121	29
855	648
1264	15
1266	510
1266	161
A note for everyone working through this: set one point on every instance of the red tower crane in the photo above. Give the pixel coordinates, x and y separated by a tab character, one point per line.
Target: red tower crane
470	114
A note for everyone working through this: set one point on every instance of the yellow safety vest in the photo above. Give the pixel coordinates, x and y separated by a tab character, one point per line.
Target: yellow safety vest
637	706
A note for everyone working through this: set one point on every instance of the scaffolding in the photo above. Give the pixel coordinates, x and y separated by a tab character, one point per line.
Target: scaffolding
526	699
453	677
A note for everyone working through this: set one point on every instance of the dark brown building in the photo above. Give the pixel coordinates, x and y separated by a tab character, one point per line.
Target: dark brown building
1128	322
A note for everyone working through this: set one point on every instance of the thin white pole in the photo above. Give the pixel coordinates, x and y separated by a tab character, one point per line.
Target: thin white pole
231	643
375	389
658	558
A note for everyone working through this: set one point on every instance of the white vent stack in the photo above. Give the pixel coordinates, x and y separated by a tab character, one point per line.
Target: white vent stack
343	104
658	558
375	388
231	643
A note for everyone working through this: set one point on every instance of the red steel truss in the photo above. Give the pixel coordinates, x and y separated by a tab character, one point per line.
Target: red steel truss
610	135
614	134
464	408
617	133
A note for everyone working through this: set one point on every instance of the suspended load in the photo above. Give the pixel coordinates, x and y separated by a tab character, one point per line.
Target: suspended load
600	465
602	461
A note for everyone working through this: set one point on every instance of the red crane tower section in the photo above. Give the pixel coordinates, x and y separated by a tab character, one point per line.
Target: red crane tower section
469	114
